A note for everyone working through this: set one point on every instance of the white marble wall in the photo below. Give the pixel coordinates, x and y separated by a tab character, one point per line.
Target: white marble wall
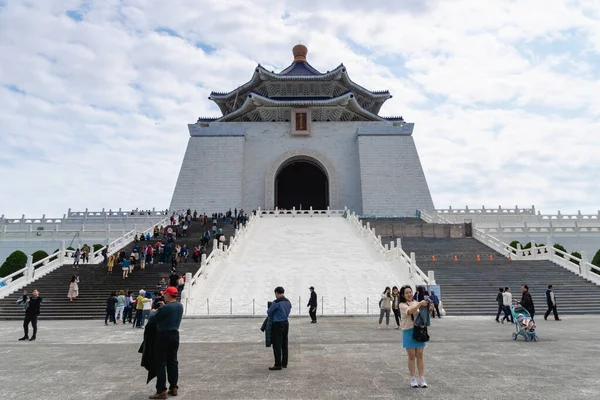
210	179
393	181
234	164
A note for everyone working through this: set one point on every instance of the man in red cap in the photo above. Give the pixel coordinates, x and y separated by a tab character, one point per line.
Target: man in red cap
167	319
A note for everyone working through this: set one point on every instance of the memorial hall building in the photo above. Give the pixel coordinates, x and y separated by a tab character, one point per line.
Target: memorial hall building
302	138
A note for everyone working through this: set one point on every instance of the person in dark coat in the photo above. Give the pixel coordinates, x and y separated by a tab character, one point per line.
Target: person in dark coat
312	304
279	311
32	311
147	350
167	319
111	305
527	301
500	302
551	300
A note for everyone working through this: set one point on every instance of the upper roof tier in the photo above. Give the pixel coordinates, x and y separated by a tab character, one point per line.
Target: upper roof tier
297	81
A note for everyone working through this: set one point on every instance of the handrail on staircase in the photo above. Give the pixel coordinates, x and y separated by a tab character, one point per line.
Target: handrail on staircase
32	271
580	266
392	253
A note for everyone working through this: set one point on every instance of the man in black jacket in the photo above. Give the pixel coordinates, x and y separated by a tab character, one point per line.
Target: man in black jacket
500	302
312	303
527	301
551	300
32	311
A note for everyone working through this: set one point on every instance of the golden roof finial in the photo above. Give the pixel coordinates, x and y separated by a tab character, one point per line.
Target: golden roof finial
300	52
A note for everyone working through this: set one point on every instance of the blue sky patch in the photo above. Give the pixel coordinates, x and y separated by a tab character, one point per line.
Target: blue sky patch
167	31
75	15
14	89
206	48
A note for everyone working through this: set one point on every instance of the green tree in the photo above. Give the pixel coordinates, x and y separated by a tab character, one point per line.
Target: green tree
527	246
561	248
38	255
97	247
596	261
14	262
575	254
514	244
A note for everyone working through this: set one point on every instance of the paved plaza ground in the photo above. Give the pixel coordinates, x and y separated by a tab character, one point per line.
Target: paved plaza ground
338	358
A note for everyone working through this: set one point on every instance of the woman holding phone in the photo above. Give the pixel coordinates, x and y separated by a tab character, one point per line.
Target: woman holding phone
409	308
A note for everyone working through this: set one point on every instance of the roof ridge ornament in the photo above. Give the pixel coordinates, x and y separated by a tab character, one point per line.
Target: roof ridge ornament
300	52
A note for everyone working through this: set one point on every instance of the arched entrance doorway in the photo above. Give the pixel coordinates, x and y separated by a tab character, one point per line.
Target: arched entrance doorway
301	184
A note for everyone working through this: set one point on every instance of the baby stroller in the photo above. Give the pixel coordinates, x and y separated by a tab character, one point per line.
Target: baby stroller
520	315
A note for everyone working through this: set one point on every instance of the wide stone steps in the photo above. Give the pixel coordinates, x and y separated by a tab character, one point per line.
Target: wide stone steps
469	287
96	283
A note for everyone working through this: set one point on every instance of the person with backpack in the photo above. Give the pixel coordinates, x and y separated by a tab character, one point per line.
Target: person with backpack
500	301
385	306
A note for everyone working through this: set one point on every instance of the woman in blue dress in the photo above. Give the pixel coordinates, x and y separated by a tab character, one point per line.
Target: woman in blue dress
409	307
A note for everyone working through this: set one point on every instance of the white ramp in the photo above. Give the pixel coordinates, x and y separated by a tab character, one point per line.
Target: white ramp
296	253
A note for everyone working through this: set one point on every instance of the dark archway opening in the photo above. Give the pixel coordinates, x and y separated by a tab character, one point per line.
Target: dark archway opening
301	184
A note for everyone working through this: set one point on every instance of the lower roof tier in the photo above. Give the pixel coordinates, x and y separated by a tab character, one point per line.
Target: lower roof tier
257	108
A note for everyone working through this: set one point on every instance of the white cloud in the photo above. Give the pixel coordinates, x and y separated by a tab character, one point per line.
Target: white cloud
93	113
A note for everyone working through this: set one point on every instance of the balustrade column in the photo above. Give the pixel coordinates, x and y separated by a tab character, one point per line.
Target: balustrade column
29	271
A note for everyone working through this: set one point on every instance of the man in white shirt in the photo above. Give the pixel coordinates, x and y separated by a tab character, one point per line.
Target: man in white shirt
507	302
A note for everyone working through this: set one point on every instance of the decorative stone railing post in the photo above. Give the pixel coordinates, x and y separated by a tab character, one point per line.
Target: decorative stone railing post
63	248
431	276
584	267
29	273
413	262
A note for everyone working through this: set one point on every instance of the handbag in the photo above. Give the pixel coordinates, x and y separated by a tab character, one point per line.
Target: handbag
420	332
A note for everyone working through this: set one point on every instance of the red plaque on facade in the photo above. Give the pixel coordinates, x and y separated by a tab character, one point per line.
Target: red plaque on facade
301	121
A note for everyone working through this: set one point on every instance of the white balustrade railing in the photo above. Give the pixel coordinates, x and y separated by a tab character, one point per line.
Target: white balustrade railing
90	217
524	218
580	266
391	252
299	213
487	211
33	271
433	218
528	230
220	251
257	307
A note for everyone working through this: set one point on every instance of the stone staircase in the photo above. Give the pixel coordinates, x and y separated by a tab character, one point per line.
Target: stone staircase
96	284
469	287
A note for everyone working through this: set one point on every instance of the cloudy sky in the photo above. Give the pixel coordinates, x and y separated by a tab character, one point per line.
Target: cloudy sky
95	95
